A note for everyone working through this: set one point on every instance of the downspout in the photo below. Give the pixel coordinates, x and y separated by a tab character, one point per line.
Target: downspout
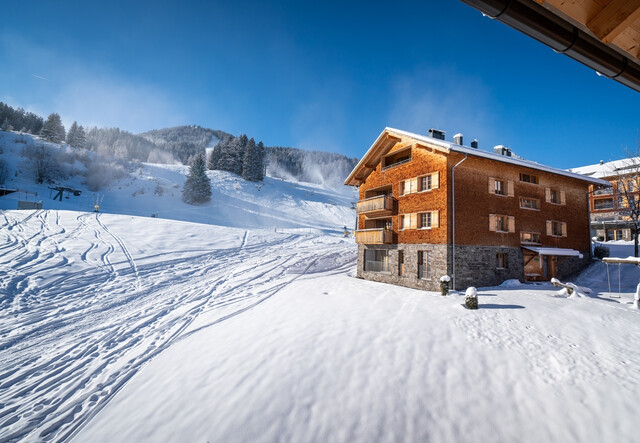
453	221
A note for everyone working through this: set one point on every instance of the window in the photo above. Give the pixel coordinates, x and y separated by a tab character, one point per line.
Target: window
397	158
529	237
529	178
502	223
529	203
501	260
376	260
554	196
622	202
603	203
420	184
424	220
556	228
423	264
401	222
499	186
401	263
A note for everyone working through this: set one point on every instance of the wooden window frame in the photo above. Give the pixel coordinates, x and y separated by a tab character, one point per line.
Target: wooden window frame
384	167
530	242
502	258
510	226
595	200
552	230
507	189
555	196
523	199
531	178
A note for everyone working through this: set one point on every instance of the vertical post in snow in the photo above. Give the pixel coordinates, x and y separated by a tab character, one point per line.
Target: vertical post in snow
453	222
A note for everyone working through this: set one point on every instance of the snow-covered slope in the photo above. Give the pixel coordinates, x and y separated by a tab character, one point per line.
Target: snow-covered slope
150	189
121	328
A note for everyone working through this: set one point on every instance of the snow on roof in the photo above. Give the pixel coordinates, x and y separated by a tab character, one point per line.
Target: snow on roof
554	251
498	157
609	169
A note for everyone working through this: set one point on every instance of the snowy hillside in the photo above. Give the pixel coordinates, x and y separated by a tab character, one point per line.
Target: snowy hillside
150	189
241	321
120	328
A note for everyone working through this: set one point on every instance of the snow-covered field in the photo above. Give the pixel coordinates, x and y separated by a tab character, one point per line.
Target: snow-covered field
120	328
249	326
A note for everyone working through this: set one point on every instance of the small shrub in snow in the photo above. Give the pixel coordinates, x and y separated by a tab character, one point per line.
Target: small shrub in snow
444	284
471	298
600	252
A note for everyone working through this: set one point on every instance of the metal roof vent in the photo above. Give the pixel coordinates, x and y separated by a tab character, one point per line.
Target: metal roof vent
436	133
457	139
502	150
474	144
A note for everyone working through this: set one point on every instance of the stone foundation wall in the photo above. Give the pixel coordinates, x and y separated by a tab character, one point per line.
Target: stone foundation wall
437	266
477	266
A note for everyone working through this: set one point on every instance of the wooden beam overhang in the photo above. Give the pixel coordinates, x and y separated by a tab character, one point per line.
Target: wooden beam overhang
371	159
614	18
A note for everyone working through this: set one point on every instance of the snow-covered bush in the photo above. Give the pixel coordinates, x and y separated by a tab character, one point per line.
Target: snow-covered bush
444	284
600	252
471	298
101	174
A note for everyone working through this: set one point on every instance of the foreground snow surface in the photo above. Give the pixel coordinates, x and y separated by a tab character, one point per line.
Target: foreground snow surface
118	328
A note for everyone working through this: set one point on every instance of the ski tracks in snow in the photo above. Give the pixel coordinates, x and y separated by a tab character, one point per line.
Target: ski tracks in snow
70	341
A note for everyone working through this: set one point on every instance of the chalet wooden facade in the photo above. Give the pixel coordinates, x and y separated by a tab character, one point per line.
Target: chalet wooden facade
428	207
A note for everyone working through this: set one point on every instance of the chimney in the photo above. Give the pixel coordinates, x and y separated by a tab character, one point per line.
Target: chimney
436	133
457	139
502	150
474	144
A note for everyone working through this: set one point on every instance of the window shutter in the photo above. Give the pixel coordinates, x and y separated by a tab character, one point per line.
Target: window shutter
492	222
435	180
492	185
563	200
413	224
512	224
510	188
414	184
435	219
549	227
401	222
547	195
564	229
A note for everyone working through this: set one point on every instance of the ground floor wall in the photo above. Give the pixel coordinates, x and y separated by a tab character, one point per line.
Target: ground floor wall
420	266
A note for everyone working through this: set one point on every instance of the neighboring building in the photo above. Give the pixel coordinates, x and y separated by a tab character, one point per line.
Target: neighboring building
608	205
508	218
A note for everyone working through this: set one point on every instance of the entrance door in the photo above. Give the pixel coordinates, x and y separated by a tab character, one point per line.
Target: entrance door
549	267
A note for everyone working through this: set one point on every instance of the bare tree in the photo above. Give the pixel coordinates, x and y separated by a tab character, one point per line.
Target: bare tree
627	191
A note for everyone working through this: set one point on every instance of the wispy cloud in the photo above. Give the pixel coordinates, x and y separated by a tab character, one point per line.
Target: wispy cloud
443	98
40	77
90	94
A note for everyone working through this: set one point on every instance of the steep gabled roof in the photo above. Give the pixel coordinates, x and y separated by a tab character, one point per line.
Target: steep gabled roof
390	136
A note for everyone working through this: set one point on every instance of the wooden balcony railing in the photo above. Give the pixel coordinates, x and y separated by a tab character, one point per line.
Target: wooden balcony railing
374	236
378	206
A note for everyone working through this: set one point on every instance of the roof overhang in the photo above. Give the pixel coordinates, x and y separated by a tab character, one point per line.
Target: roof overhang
554	251
603	35
383	144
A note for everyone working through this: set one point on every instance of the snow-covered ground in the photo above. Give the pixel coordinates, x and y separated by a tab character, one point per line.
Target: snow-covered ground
120	327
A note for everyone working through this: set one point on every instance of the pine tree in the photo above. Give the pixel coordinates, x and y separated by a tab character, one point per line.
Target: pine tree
248	163
260	153
72	134
6	126
53	130
197	187
76	138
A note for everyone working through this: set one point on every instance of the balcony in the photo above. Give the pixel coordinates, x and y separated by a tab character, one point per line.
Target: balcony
378	236
379	206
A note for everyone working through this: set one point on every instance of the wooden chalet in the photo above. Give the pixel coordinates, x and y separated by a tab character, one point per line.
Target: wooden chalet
428	207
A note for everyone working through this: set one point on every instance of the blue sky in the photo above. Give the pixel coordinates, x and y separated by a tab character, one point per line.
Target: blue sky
327	76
